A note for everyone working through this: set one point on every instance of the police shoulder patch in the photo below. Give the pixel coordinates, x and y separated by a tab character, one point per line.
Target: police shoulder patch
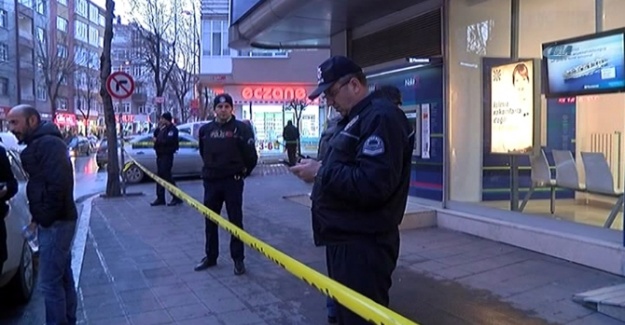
373	146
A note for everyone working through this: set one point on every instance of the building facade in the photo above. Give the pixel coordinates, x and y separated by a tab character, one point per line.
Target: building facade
459	64
261	82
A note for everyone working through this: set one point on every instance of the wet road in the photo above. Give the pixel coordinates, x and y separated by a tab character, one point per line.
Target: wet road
88	181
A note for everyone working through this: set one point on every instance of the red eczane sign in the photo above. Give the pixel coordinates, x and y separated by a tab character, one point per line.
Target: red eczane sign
276	93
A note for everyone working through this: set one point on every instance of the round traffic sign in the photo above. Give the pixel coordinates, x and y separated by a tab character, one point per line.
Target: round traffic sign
120	85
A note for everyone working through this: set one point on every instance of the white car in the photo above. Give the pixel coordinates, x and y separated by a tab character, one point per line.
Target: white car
18	272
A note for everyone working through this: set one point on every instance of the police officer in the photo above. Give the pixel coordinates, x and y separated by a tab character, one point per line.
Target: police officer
229	153
165	144
361	187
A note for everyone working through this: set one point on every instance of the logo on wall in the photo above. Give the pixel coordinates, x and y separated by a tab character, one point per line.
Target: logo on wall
496	74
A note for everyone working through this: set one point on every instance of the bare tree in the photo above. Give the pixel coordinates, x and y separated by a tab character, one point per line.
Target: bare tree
297	106
56	64
88	86
184	75
158	34
112	183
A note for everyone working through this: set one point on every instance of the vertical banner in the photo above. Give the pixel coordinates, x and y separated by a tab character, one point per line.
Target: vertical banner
425	131
512	108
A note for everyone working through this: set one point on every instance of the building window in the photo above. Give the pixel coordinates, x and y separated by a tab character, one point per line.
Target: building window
27	3
4	87
61	24
61	51
137	71
63	2
141	110
41	93
4	52
101	20
41	35
81	31
61	103
41	7
215	35
94	36
4	18
94	13
126	107
82	8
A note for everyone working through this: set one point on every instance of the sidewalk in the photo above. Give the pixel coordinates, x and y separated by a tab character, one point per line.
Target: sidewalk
138	269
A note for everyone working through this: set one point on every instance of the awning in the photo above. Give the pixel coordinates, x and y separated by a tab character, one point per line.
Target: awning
291	24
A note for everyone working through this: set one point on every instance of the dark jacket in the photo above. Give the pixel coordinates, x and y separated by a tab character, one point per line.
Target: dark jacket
50	187
361	189
6	176
325	137
227	149
166	142
290	134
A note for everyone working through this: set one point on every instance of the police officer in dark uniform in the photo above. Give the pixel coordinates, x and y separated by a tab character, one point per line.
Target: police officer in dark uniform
361	187
165	144
229	153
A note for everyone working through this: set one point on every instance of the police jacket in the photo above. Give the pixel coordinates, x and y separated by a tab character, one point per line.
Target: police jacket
166	142
50	188
361	188
227	149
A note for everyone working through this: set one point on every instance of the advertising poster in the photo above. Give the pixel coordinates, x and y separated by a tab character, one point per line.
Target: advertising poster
585	66
512	108
425	131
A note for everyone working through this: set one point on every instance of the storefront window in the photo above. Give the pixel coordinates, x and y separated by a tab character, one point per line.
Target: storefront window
476	30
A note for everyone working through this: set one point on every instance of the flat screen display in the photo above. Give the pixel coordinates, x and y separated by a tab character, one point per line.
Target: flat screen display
586	65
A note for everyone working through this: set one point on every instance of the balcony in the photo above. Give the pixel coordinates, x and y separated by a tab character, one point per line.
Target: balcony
25	10
139	98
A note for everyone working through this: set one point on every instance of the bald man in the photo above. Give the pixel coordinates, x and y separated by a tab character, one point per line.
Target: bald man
50	192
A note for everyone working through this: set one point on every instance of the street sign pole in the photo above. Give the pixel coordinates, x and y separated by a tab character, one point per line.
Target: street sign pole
121	85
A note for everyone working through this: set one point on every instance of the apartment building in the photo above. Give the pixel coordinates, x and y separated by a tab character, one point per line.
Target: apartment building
261	82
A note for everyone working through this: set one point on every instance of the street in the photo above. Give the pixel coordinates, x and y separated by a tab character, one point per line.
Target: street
89	181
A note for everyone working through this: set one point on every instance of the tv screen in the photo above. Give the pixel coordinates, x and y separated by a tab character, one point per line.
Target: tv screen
585	65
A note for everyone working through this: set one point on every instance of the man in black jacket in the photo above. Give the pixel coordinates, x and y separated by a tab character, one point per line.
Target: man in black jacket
361	186
8	189
165	144
290	134
229	153
50	192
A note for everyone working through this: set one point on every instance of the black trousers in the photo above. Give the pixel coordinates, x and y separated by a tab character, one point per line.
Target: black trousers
291	151
164	163
216	192
364	266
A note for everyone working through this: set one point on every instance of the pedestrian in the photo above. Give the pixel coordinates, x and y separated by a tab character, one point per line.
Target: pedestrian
361	187
50	192
8	189
165	144
290	134
389	92
229	153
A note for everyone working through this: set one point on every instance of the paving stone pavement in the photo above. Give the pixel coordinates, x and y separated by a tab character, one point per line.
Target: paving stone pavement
138	269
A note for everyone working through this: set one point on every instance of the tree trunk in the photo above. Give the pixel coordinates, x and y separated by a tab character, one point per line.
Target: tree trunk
113	180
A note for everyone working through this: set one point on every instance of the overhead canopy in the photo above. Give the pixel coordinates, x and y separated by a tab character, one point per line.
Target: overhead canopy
289	24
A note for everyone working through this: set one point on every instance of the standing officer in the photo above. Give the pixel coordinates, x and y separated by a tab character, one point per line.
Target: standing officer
229	154
361	187
290	134
165	144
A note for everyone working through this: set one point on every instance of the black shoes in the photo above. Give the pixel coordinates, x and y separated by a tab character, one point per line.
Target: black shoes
205	264
157	202
332	320
239	268
174	202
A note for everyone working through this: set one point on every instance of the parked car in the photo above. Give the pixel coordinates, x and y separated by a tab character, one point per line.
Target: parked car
19	273
187	160
101	157
80	146
191	128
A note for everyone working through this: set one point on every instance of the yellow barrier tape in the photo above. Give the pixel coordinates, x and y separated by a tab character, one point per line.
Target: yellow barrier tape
356	302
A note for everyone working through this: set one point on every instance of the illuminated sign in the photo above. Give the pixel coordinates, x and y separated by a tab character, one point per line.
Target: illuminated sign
276	93
65	119
126	118
512	108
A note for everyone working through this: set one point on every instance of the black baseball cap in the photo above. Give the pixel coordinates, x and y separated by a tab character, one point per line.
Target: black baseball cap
331	70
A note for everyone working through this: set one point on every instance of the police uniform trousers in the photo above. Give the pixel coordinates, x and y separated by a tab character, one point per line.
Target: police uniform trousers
216	192
164	164
365	266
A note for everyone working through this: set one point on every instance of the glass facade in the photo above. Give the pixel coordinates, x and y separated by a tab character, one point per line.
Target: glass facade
481	35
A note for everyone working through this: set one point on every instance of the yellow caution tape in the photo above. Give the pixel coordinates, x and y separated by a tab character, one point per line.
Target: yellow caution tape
354	301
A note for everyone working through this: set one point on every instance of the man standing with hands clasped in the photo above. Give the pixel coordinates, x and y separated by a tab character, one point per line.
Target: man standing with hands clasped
361	186
229	153
165	144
